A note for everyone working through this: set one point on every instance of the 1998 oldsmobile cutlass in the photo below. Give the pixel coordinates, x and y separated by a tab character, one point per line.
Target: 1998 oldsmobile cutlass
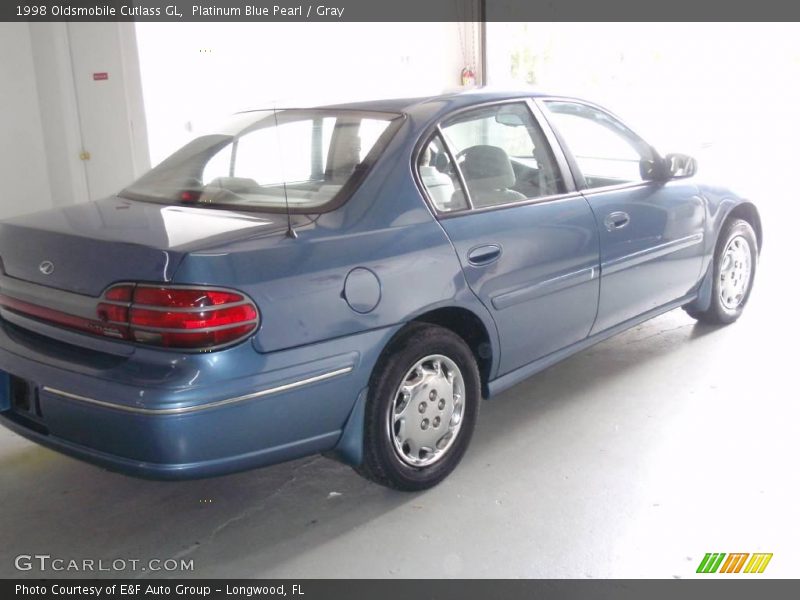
351	280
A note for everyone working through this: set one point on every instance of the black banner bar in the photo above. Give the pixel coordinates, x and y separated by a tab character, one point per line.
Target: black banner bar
732	588
399	10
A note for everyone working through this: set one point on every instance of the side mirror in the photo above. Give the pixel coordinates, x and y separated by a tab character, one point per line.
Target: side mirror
679	166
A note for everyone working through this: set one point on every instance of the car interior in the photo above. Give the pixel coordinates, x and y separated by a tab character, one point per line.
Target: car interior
502	167
300	161
303	163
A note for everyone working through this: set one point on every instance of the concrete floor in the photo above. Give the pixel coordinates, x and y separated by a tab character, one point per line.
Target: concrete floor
631	459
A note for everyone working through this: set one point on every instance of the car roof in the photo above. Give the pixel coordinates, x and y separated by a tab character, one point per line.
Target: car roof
450	101
422	112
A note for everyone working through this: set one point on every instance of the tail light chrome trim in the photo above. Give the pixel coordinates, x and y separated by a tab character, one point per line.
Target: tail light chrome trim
181	309
195	330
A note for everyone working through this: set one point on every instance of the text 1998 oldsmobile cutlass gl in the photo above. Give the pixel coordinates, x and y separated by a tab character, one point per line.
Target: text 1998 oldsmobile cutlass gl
352	280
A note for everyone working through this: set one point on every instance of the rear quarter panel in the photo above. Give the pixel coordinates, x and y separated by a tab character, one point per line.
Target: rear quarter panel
298	284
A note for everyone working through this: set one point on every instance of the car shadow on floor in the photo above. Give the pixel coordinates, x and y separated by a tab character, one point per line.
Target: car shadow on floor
58	506
582	380
243	524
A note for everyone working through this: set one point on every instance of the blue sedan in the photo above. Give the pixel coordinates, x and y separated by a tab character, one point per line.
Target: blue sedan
351	280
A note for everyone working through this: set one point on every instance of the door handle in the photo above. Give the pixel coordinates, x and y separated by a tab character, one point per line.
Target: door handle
616	220
484	255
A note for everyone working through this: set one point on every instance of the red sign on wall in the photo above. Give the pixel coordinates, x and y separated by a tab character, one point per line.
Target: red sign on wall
99	76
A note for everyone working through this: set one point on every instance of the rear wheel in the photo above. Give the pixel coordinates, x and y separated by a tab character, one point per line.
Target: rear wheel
421	409
735	261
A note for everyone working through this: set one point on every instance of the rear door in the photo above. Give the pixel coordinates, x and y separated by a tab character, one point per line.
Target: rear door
651	232
526	240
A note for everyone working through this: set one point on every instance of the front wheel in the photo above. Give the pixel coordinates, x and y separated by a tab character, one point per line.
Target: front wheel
421	409
735	262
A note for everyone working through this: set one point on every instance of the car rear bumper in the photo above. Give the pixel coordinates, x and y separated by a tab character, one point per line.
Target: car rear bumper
208	467
253	410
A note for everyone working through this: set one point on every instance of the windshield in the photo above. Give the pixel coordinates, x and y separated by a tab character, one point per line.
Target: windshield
267	160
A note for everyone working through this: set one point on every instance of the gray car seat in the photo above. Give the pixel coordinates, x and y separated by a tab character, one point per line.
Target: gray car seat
489	176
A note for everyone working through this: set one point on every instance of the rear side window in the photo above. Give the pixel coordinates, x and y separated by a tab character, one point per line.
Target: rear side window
503	155
303	158
438	175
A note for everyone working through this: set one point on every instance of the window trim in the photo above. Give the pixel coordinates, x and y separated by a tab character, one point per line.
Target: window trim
580	180
561	160
451	155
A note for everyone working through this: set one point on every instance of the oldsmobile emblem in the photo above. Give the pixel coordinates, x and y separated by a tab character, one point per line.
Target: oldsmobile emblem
47	267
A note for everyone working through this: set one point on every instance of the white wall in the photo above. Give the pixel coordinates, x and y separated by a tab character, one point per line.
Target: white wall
111	120
52	109
195	72
23	162
685	86
58	112
44	123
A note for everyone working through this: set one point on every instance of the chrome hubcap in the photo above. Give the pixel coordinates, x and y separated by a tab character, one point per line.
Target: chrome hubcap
426	413
734	273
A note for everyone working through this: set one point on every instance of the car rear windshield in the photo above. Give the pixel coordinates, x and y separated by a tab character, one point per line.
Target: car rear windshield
306	160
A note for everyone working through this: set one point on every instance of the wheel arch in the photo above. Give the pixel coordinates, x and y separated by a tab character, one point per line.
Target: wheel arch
748	212
480	337
470	328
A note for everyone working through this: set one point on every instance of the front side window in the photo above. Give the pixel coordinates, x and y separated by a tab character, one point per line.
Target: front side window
503	155
303	158
607	152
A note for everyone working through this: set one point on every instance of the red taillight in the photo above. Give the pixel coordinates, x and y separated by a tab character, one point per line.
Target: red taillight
141	317
112	313
190	195
119	293
183	298
116	309
192	318
102	327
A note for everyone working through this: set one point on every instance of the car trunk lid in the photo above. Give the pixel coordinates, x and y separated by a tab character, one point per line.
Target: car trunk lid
85	248
56	265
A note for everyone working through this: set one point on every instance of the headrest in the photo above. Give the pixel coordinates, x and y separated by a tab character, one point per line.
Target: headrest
488	168
234	184
346	153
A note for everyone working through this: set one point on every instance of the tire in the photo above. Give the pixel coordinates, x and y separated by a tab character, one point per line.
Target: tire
737	243
427	398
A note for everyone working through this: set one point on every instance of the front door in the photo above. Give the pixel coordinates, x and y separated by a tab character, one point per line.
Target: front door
527	243
651	232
